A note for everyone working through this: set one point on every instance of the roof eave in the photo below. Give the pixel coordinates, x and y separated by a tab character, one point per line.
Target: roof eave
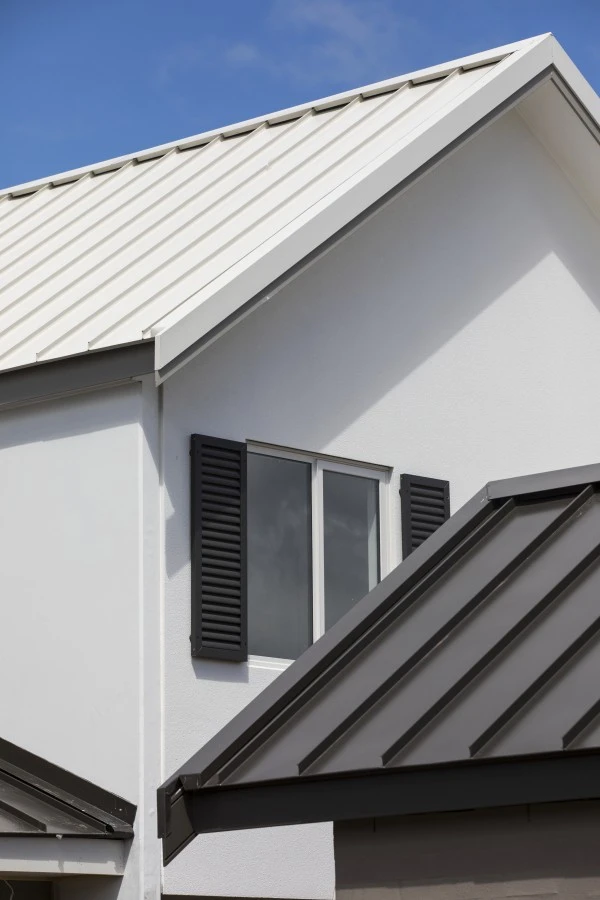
76	374
449	787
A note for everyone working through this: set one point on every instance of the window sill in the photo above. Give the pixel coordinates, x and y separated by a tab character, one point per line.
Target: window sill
269	662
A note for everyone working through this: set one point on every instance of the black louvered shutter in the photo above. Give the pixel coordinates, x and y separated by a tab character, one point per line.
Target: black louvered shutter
424	506
219	604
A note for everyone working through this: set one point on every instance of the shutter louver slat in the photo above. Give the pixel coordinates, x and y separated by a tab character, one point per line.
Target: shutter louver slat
427	517
425	505
221	570
218	518
219	531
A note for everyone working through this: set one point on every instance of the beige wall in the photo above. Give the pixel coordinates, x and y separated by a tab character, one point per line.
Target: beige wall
541	852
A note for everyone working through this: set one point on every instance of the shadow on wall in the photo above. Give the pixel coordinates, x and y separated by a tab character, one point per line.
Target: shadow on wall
213	670
25	890
69	417
76	887
90	887
312	362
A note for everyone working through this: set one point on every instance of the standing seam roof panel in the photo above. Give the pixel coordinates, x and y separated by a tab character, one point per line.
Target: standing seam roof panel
379	686
225	208
103	260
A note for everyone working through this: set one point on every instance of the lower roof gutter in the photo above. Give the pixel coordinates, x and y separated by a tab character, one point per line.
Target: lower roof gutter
87	371
188	811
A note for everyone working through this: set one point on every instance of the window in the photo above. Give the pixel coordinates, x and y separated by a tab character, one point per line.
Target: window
314	546
282	543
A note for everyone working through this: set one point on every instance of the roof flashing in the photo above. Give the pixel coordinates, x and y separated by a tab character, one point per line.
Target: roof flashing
40	799
551	483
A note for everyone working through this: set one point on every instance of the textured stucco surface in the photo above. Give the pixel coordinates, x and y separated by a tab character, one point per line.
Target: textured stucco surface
69	583
79	617
536	852
457	335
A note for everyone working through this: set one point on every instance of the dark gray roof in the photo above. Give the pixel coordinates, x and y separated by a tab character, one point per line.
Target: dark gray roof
477	658
39	799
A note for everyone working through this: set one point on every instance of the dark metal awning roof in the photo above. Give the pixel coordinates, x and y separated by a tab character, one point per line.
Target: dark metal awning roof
39	799
469	677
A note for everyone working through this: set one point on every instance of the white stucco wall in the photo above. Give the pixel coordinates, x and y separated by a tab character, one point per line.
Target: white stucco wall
79	584
457	334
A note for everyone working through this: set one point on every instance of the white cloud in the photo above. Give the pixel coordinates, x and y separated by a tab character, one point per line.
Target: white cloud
343	41
181	59
346	20
242	54
306	43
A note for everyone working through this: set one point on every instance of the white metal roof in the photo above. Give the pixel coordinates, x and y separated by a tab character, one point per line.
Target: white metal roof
169	242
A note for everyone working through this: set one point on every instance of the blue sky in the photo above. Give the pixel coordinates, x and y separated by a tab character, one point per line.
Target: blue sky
84	80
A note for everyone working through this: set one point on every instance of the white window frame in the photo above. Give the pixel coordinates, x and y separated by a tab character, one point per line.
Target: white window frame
320	463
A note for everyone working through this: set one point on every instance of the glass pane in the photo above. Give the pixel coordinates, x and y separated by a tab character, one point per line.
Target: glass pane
279	556
351	529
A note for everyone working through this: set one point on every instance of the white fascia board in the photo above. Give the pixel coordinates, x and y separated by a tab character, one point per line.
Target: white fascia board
202	312
28	856
569	72
292	112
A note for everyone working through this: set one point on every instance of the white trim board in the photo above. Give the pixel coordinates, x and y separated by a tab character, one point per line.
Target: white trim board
70	856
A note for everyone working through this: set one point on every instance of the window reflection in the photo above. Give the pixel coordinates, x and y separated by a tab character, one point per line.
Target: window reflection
279	556
351	541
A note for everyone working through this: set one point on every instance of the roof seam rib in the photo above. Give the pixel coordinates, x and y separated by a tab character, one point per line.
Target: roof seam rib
533	690
235	149
581	725
503	644
147	276
99	185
